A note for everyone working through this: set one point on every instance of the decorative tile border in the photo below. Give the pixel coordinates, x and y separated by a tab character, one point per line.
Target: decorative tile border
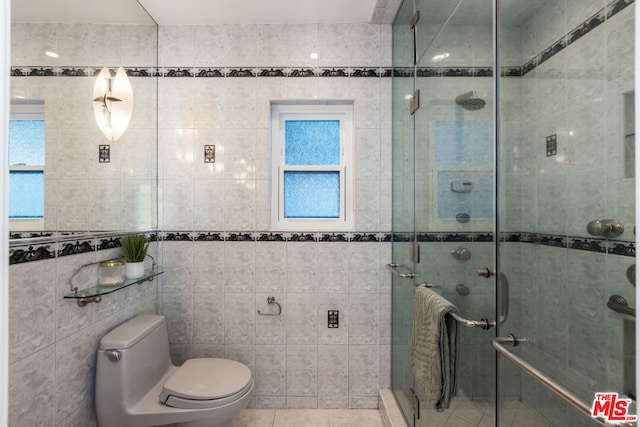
584	28
47	247
268	236
84	71
39	252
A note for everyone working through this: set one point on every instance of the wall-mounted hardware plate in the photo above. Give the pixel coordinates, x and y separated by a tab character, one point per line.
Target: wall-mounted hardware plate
333	319
552	145
209	153
104	153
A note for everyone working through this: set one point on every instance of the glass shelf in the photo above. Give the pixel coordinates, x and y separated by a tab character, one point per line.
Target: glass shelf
97	291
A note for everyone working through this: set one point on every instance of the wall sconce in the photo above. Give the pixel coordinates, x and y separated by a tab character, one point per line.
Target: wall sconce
112	102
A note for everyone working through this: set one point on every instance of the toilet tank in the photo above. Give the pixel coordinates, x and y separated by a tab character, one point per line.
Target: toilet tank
143	345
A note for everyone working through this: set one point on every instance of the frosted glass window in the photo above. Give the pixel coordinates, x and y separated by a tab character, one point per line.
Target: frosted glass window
312	142
311	194
26	194
312	180
27	142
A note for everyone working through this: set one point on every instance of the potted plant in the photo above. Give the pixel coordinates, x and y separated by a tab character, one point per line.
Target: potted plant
134	248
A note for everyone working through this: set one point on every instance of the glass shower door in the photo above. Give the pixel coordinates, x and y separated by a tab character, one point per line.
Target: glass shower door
567	205
403	210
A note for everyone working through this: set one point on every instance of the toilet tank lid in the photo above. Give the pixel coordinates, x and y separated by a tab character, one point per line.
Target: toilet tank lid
131	331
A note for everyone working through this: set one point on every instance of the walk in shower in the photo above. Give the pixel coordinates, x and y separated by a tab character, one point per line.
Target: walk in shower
513	156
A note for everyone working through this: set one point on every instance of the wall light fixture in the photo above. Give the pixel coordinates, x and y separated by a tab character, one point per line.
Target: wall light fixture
112	102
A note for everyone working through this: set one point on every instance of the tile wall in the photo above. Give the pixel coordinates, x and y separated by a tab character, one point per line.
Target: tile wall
220	257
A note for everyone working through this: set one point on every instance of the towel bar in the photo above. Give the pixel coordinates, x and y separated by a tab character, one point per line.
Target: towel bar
482	323
392	267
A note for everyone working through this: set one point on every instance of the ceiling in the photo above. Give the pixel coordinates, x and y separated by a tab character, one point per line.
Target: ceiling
212	12
260	11
166	12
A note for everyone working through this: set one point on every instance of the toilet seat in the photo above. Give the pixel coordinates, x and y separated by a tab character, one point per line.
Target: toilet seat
206	383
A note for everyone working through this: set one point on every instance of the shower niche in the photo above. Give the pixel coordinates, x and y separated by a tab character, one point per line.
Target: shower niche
462	168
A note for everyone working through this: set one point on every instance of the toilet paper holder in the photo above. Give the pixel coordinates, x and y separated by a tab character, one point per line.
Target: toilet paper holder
272	300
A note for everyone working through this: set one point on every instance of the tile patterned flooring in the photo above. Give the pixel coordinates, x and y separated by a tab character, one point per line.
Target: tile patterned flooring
462	413
465	412
308	418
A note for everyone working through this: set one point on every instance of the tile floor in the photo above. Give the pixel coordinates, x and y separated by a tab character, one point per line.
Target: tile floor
462	413
308	418
465	412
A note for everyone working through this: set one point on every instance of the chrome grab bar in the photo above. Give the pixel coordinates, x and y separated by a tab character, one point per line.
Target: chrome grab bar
393	268
565	394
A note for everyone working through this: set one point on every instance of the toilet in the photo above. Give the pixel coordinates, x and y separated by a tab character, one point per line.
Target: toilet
137	385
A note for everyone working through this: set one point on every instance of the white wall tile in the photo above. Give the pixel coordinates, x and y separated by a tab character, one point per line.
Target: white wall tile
210	42
239	318
302	370
241	48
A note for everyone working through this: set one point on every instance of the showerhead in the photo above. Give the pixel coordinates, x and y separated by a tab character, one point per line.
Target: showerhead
470	101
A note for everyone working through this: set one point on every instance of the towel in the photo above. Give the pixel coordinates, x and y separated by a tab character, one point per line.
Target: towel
434	347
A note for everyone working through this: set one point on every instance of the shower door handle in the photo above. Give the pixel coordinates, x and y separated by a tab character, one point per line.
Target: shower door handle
394	269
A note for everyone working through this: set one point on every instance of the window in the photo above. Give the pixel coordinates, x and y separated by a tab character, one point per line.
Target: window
26	165
312	166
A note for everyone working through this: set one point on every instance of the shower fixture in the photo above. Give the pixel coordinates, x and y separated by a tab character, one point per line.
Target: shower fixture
470	101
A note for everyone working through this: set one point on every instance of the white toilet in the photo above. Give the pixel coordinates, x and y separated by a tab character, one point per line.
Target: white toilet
137	385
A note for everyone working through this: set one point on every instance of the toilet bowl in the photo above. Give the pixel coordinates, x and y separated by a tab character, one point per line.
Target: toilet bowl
137	385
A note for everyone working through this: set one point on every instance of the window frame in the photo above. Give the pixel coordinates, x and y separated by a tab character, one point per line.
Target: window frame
28	110
312	110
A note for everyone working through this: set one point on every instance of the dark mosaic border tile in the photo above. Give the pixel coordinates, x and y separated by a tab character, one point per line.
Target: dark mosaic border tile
591	245
169	236
178	72
209	237
77	247
108	243
302	237
551	51
74	72
511	71
364	237
239	237
616	6
272	72
271	237
403	72
457	237
301	72
401	237
210	72
40	252
333	237
428	237
364	72
622	248
334	72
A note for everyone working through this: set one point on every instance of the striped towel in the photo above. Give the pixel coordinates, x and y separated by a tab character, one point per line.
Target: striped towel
434	348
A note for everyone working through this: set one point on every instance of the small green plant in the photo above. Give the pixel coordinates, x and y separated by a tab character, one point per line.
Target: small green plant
134	247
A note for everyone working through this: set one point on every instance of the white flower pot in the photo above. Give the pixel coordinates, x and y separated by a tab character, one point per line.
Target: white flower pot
134	270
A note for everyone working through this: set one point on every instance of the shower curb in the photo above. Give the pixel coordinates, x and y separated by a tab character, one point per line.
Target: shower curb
389	409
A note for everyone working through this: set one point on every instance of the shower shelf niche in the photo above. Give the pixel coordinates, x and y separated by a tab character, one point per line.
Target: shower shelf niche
95	293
